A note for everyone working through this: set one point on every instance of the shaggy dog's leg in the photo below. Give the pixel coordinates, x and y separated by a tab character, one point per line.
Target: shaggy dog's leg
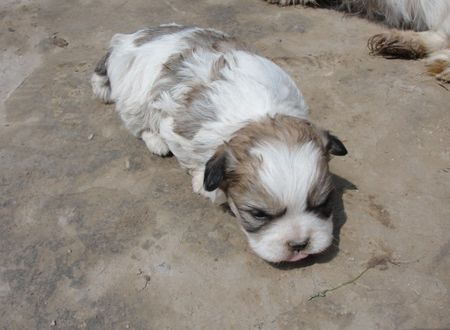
407	44
292	2
155	144
438	64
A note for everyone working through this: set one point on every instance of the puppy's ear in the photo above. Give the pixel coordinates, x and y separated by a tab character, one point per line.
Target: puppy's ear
335	146
215	170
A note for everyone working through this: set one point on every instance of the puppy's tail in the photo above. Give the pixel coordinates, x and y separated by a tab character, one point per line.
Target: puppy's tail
101	85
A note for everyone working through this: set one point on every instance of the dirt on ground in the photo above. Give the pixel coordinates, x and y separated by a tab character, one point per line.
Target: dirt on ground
98	233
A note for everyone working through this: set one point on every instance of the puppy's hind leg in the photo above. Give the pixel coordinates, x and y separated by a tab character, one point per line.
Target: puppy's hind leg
155	143
407	44
100	81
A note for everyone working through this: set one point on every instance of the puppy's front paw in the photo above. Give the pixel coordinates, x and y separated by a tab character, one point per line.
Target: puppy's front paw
155	144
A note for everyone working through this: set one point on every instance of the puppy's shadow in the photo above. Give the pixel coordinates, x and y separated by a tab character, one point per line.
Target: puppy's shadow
339	218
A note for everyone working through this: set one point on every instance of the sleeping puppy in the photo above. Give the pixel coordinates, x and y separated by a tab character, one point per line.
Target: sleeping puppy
238	124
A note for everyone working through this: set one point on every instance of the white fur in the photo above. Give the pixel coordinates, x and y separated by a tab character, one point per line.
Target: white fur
300	161
254	87
272	246
133	71
251	89
297	224
155	143
100	87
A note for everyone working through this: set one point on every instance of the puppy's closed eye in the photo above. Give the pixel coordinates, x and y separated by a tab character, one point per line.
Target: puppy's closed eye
253	219
322	209
262	215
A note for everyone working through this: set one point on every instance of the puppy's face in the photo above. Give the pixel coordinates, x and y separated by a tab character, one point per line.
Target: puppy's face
275	175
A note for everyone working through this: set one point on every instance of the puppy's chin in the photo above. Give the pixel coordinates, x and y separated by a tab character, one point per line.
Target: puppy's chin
271	244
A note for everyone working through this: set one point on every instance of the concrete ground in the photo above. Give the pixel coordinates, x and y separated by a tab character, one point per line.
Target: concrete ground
97	233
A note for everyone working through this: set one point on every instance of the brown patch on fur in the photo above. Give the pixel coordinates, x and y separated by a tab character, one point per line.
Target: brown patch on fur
189	122
397	44
440	69
288	129
152	33
322	186
215	41
193	115
242	185
217	66
241	180
436	67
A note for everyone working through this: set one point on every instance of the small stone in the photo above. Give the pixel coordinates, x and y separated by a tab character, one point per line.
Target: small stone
90	137
127	326
10	29
53	323
127	164
69	251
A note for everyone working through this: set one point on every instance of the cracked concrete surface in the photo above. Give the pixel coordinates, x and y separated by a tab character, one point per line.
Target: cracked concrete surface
97	233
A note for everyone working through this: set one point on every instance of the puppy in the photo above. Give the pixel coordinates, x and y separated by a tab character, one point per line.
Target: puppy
238	124
430	20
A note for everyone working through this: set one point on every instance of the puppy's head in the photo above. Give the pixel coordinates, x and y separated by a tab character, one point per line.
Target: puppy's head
275	175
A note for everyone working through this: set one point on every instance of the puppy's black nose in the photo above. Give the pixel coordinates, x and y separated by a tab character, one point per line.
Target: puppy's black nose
298	246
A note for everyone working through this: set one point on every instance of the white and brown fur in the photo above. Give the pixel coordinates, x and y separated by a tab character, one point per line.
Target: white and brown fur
428	21
236	122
